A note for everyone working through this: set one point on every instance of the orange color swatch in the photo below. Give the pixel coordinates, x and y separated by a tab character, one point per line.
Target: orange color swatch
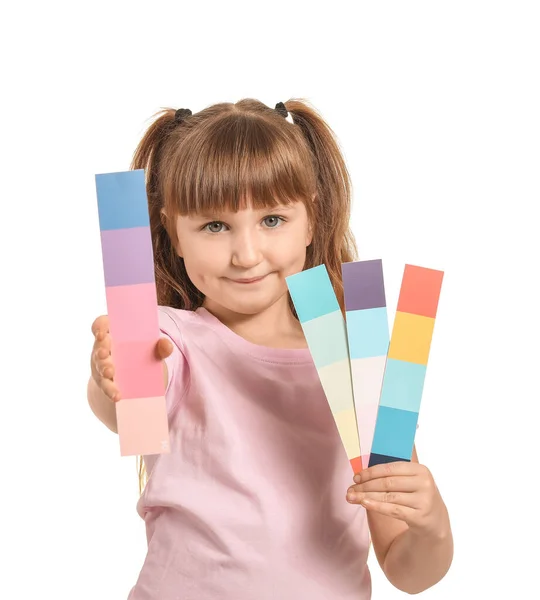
420	291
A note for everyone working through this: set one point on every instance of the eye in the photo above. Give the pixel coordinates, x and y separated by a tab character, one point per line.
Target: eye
273	221
214	227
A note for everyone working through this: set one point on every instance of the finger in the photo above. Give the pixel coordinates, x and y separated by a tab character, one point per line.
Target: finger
403	468
164	348
110	390
102	349
409	499
102	364
100	326
396	483
389	509
102	345
101	352
106	370
105	367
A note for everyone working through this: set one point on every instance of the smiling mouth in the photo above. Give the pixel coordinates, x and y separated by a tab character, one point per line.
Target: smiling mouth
250	280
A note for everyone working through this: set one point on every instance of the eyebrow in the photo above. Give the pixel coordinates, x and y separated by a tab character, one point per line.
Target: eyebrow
217	214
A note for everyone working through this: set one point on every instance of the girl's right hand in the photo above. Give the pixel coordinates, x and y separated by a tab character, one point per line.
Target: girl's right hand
102	364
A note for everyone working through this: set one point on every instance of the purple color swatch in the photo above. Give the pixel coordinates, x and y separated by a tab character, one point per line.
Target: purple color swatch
364	284
128	258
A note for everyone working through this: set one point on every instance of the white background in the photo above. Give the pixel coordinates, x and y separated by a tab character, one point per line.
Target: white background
436	105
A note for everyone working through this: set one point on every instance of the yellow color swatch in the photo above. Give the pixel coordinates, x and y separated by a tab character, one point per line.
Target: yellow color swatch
348	430
411	338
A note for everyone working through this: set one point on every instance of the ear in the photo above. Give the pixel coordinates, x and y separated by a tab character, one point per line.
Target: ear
164	219
178	247
309	236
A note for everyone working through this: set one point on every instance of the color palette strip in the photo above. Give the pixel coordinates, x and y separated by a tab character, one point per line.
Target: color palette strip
324	327
130	287
368	336
406	365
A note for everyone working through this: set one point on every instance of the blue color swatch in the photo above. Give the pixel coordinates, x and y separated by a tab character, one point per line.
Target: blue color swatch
312	293
122	200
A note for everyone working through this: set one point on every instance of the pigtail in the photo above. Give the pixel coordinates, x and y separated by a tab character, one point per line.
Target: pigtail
173	286
333	242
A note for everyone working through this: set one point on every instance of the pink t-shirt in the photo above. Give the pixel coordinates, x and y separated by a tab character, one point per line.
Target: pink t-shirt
250	503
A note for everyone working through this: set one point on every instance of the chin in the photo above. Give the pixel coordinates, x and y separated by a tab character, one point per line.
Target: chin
244	304
249	306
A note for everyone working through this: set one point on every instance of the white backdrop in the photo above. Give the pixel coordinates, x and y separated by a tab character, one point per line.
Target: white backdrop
436	108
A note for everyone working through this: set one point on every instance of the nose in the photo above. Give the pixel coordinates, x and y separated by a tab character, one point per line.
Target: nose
246	250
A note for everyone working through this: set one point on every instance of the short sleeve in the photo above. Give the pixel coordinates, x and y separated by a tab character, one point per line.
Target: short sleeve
177	367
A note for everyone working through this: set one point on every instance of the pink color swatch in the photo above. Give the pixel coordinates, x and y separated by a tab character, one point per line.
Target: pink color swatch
141	426
132	312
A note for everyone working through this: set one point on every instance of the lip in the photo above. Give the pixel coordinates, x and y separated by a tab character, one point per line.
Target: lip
247	281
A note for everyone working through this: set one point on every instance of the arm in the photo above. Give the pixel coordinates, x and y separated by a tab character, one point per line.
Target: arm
102	406
415	562
412	537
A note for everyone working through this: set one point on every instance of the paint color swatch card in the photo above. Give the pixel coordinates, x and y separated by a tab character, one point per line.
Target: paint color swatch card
324	327
406	365
368	336
130	287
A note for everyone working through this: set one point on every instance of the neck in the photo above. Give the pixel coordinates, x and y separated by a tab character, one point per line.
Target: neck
275	326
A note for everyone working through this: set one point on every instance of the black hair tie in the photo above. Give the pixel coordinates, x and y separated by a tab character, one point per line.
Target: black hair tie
181	114
282	109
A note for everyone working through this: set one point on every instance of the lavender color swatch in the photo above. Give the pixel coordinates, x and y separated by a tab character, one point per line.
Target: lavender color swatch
127	256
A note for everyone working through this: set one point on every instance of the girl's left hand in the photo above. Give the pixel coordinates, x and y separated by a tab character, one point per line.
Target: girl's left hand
403	490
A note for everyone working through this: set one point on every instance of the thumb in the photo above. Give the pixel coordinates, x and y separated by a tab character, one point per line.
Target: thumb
164	348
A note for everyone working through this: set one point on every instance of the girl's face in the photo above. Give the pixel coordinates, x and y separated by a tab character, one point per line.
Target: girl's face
240	260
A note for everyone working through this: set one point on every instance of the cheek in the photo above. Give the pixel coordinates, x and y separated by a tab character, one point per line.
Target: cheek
202	262
290	252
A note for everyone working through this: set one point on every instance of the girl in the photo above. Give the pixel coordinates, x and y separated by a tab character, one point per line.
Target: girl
256	500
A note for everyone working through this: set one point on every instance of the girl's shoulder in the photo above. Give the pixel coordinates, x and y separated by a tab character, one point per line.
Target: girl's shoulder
177	323
178	315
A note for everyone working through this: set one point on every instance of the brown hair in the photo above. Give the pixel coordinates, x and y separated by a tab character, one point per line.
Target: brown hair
229	154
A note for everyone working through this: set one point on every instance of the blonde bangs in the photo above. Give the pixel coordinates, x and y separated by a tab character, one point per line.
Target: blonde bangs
235	161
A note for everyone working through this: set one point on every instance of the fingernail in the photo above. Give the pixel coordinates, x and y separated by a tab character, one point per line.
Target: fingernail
351	497
357	478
